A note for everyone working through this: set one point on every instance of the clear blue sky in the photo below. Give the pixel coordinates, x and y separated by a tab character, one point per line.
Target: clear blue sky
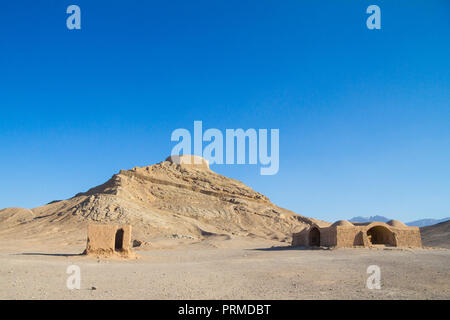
364	115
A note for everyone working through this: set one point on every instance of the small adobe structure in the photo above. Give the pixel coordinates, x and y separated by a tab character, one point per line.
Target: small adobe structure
343	233
108	239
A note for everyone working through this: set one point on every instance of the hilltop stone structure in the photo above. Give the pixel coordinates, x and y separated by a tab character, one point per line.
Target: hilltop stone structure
108	239
343	233
189	161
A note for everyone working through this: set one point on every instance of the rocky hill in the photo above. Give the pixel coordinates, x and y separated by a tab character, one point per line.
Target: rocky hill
172	199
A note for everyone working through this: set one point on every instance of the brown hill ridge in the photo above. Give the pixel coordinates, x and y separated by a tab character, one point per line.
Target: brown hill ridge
176	198
437	235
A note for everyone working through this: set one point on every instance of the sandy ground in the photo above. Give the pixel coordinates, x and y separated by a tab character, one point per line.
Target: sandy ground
230	269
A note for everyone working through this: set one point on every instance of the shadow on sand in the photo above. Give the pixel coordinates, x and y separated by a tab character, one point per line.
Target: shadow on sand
49	254
281	248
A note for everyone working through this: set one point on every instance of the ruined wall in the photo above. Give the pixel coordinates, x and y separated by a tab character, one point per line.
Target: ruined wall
328	237
126	237
408	237
357	236
301	239
101	239
351	236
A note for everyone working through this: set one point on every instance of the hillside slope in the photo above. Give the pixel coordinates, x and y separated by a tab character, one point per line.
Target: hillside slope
437	235
169	199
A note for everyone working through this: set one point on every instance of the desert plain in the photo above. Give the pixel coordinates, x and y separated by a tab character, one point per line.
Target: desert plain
224	269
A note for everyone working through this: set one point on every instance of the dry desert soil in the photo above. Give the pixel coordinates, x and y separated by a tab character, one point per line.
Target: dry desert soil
224	269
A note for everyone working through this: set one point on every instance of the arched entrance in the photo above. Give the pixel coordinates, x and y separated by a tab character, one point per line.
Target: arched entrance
314	237
380	235
119	240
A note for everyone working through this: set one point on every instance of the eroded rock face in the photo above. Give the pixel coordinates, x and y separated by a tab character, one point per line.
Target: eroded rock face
175	197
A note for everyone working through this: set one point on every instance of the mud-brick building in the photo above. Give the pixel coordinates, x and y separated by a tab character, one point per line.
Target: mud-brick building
108	239
343	233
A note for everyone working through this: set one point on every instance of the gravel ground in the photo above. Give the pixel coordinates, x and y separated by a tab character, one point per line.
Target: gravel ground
242	271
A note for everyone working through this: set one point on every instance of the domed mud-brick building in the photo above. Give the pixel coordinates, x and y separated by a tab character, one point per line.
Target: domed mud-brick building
343	233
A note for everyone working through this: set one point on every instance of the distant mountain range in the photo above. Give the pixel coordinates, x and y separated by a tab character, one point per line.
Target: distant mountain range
426	222
417	223
369	219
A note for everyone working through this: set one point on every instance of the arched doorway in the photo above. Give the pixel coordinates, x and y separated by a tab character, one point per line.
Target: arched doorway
380	235
119	240
314	237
